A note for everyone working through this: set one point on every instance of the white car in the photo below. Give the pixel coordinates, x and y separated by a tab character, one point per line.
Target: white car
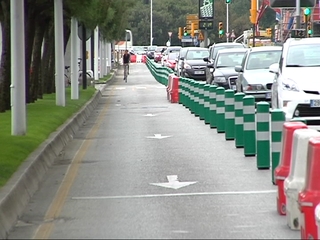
296	87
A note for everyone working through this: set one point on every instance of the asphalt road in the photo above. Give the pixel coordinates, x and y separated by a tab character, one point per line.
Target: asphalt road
142	167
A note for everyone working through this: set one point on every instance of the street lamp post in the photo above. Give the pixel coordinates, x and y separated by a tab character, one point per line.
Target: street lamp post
151	38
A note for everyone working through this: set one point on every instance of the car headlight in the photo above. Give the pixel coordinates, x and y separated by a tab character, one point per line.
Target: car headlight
290	85
220	79
187	66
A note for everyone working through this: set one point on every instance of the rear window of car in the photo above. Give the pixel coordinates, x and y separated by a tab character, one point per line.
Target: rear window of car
173	55
159	49
217	48
197	54
263	59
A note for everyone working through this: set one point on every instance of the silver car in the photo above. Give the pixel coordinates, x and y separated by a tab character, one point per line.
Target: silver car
254	77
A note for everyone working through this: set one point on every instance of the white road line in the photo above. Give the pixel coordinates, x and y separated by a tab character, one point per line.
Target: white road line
174	195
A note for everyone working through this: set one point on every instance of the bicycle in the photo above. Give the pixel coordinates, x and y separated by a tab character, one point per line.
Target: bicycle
125	71
89	74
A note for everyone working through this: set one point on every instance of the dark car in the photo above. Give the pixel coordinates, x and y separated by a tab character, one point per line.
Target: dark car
213	50
193	65
150	51
224	74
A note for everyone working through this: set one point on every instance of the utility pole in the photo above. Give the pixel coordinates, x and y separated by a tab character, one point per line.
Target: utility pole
298	25
227	22
253	20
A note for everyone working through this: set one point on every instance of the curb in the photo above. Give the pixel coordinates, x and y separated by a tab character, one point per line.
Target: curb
17	192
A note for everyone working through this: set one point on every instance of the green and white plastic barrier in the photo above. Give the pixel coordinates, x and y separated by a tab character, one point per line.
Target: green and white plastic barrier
229	114
213	107
277	121
263	135
249	130
220	109
238	121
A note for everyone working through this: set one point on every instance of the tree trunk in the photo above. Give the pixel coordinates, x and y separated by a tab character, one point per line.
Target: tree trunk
47	64
30	25
5	65
35	77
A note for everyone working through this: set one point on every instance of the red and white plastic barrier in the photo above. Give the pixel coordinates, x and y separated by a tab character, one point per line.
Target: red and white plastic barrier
309	196
295	182
173	88
282	170
317	216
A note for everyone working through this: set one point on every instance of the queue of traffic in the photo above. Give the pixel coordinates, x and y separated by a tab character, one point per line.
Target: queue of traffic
282	76
286	76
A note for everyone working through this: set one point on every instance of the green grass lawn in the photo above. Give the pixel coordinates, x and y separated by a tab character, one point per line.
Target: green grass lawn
43	118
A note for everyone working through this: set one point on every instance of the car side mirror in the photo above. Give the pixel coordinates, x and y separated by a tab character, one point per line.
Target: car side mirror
238	68
211	65
206	59
274	68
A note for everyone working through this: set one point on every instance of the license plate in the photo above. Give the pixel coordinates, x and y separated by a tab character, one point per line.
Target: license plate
315	103
198	72
268	95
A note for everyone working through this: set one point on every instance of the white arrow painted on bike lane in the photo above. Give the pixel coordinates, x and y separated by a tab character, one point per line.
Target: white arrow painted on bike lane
158	136
173	183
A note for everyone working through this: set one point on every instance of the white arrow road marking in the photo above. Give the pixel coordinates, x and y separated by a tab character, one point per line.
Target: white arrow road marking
158	136
120	88
173	182
149	115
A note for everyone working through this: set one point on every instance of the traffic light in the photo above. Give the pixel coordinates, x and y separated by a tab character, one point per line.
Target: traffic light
185	31
221	31
228	1
307	15
192	30
269	31
253	16
309	29
307	20
180	33
253	12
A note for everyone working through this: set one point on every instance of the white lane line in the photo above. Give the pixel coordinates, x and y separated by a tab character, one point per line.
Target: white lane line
174	195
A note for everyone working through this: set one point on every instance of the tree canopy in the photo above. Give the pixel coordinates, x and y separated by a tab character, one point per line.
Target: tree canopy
169	15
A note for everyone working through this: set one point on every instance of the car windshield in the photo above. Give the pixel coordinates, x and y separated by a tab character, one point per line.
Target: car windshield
152	48
263	60
138	49
197	54
217	48
230	59
307	55
159	49
173	55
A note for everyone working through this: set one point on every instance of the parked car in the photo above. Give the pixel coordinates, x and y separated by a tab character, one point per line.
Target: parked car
167	51
254	77
150	51
179	60
224	74
158	53
296	88
171	60
213	51
193	64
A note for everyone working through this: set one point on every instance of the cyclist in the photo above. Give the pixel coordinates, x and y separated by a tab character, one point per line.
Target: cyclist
126	61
